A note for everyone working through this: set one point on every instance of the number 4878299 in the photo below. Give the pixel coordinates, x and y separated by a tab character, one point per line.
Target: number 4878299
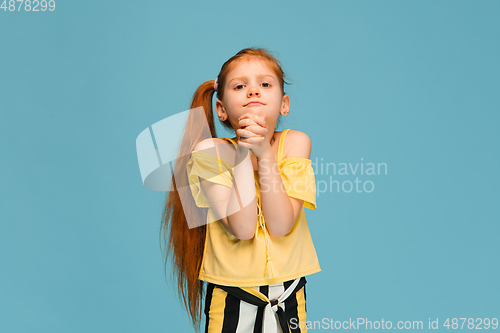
29	6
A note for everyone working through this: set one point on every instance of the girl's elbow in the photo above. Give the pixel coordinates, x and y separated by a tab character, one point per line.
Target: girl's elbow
245	234
282	230
279	233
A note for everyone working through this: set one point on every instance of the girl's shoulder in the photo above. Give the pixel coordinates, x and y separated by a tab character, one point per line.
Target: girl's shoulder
224	150
297	144
210	142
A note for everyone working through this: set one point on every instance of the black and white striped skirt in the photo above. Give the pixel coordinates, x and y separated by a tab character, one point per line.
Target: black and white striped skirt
276	308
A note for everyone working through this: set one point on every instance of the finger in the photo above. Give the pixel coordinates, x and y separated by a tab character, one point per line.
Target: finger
258	118
256	129
248	142
252	121
243	123
252	130
246	115
244	144
247	120
255	139
261	120
245	133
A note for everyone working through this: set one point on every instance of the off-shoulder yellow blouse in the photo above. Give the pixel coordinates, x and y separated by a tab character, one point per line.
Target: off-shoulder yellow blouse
230	261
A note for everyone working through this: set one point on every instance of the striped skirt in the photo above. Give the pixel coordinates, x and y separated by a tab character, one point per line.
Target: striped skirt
276	308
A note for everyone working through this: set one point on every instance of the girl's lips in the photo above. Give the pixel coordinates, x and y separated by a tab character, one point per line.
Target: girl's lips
254	103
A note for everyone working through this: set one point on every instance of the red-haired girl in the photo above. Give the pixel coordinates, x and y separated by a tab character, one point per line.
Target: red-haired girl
252	247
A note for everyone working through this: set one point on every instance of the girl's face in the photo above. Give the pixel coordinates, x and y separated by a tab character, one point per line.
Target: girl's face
252	87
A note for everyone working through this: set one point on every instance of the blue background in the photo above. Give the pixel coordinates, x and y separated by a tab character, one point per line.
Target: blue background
413	84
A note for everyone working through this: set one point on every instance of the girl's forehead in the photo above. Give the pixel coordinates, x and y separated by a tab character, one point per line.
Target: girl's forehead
251	66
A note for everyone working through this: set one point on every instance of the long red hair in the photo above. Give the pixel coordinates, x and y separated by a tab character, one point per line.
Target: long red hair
185	246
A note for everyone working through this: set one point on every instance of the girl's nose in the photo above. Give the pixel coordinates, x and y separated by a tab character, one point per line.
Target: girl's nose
254	91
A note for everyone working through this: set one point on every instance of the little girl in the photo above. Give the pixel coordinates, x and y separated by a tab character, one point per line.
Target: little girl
253	247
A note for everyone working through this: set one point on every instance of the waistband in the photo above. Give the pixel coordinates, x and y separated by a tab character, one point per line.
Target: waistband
266	323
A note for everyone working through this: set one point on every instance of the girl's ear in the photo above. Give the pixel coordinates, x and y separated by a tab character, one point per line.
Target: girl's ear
221	112
285	105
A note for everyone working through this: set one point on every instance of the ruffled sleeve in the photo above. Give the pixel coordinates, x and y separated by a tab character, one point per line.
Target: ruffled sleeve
206	166
298	178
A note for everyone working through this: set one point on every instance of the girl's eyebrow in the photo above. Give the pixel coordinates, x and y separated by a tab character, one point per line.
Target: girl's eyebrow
244	77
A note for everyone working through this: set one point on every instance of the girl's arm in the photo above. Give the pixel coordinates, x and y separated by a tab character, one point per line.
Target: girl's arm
281	211
235	207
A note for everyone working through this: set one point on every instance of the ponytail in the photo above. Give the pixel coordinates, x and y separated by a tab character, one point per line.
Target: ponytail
185	246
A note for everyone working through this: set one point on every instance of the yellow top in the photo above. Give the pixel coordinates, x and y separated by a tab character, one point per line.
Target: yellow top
262	260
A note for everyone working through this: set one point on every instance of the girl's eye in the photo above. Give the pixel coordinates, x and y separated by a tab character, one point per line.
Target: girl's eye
266	85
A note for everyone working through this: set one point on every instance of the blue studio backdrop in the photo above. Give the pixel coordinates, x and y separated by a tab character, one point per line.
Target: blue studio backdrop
409	87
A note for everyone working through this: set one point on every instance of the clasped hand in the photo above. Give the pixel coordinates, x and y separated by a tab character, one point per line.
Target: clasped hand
252	131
